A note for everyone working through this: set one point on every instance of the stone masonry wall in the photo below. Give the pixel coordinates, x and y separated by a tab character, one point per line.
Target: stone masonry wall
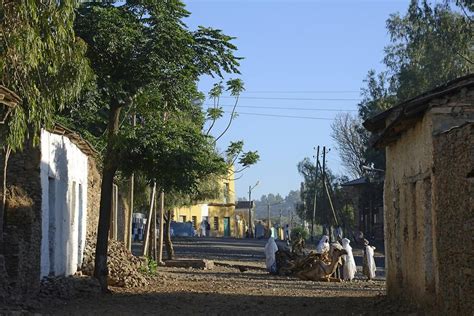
93	197
23	230
453	191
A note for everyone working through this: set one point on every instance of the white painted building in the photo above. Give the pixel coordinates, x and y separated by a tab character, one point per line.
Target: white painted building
64	180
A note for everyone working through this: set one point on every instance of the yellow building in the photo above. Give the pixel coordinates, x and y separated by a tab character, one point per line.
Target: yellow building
220	214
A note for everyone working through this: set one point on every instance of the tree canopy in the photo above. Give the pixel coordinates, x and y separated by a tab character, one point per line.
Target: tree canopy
42	61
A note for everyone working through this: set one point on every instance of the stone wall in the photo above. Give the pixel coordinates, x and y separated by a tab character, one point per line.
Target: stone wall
21	260
408	216
23	231
453	191
428	200
93	197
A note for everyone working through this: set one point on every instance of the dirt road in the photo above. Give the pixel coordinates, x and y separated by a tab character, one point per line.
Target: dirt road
227	290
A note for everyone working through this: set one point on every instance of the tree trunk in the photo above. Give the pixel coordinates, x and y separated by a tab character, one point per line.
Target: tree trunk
4	195
108	174
167	231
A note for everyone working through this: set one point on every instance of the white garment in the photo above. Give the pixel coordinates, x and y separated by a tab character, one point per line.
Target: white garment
369	252
270	249
323	245
349	269
203	229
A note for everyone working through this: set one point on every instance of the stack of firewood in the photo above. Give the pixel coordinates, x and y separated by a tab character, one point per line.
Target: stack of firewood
298	259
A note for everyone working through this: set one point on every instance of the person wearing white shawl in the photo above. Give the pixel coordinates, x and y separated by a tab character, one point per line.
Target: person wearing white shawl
369	262
270	249
349	269
323	245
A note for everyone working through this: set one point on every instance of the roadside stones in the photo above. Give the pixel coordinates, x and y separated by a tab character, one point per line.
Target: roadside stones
65	288
124	267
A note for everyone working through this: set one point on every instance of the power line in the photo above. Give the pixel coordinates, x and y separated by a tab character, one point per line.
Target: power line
304	91
298	99
284	108
285	116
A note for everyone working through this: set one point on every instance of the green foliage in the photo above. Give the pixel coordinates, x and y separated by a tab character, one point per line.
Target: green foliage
215	113
150	267
42	61
235	86
299	232
174	153
430	46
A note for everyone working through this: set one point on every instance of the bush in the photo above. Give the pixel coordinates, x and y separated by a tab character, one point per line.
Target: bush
299	232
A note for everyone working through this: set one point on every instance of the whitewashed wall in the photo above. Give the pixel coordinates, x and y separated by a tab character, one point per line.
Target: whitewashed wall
64	204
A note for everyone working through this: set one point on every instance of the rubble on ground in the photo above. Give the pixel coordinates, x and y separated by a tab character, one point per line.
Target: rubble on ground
125	270
65	288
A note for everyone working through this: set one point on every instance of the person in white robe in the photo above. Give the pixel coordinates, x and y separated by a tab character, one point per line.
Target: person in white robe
369	263
323	245
270	260
349	269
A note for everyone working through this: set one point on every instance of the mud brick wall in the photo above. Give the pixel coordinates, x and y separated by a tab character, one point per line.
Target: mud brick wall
453	191
123	218
93	197
410	262
23	230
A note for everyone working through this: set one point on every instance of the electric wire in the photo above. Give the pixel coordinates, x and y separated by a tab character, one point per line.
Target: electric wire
303	91
285	116
284	108
294	99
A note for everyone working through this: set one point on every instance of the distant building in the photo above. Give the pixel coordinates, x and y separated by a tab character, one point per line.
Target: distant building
219	214
428	197
367	196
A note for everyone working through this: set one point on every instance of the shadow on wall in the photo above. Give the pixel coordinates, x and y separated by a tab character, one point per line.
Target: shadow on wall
20	238
58	211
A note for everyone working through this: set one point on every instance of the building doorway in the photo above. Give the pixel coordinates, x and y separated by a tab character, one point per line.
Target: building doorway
226	226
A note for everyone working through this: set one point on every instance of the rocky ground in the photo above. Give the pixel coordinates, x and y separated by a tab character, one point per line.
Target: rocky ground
223	290
226	290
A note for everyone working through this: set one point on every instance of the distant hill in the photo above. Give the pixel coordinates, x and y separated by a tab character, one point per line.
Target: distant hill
277	202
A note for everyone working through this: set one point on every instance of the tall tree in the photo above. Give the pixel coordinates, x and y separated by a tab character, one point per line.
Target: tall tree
345	131
430	45
143	49
43	62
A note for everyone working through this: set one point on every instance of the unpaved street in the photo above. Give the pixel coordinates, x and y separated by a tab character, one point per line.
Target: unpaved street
227	290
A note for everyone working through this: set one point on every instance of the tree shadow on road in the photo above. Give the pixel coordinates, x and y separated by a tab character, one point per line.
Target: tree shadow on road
179	303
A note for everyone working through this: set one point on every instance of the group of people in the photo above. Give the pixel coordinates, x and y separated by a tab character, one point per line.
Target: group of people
349	268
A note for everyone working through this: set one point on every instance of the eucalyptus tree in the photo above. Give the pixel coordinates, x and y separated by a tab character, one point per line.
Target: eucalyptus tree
42	62
142	49
429	45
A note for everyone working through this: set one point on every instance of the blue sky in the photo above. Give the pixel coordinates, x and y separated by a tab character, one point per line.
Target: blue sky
292	48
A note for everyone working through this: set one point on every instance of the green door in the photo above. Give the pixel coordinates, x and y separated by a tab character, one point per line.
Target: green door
226	226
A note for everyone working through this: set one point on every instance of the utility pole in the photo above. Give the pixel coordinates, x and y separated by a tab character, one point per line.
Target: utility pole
324	181
269	224
250	209
269	217
313	218
250	232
